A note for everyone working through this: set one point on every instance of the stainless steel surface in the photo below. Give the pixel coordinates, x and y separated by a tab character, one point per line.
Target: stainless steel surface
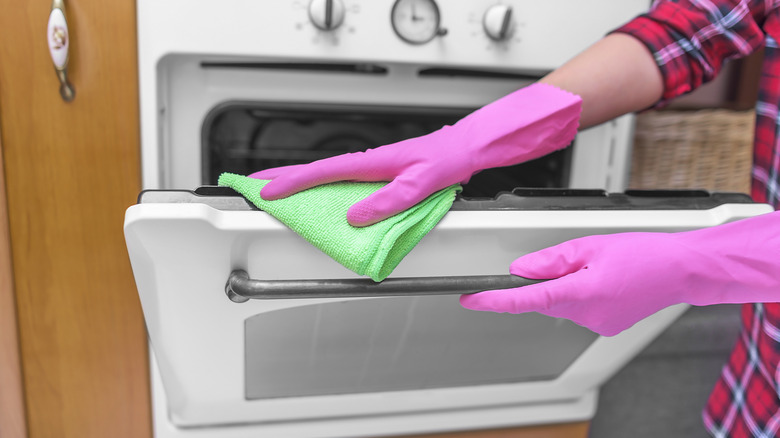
240	287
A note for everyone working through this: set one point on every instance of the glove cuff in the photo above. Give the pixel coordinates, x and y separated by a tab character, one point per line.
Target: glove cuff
526	124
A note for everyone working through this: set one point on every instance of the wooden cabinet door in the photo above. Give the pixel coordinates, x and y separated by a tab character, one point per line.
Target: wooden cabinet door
12	418
71	170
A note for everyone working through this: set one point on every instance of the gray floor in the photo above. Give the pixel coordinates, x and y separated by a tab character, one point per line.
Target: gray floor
662	391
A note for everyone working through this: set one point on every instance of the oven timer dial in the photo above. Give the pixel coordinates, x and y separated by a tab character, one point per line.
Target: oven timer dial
326	14
416	21
497	22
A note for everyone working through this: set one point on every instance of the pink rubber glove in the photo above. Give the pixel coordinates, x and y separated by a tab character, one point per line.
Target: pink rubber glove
521	126
608	283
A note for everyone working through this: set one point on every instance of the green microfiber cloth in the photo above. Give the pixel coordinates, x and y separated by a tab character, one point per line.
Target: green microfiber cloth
319	215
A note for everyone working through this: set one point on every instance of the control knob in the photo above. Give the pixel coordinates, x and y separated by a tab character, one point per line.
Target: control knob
497	22
326	14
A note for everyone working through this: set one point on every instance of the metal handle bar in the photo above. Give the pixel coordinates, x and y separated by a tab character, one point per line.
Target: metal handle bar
240	288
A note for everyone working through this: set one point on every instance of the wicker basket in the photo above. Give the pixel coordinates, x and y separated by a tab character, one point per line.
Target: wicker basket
707	149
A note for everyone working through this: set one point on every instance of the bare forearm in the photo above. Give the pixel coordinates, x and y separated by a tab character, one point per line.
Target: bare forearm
615	76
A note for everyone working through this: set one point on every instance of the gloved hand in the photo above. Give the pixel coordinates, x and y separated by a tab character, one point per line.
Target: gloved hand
607	283
521	126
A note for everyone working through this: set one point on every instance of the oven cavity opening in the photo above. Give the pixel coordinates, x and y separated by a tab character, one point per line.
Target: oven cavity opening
245	137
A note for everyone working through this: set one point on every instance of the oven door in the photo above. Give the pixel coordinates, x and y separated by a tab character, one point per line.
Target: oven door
400	361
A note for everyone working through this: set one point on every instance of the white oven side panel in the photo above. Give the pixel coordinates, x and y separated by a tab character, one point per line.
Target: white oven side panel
601	156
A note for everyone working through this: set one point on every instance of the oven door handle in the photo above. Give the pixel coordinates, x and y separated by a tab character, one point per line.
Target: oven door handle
240	288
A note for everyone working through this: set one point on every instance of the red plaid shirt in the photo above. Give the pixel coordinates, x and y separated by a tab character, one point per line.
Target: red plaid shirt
689	40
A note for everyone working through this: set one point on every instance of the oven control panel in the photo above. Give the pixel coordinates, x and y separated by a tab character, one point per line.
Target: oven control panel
528	35
536	36
416	21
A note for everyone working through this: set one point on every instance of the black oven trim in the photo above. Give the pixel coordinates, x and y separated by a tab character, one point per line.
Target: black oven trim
527	199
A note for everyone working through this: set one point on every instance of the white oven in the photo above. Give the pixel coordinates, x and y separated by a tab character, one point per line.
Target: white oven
240	85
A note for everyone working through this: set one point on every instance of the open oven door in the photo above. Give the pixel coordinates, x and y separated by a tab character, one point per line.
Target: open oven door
356	364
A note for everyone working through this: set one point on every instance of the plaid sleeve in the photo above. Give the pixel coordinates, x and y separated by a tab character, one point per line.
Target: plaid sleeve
690	39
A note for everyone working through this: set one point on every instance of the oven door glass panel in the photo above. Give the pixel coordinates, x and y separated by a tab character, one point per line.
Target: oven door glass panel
246	137
392	344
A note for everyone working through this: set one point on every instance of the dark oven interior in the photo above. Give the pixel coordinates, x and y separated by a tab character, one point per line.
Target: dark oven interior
244	137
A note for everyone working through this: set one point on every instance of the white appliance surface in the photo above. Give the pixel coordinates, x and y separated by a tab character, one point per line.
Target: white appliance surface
393	425
182	255
373	366
176	38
